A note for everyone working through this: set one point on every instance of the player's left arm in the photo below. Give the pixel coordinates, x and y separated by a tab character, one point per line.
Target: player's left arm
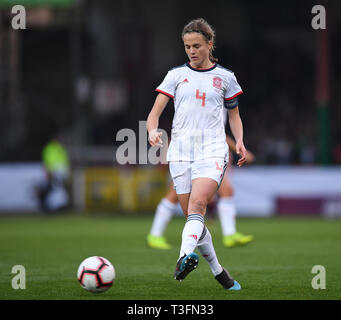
250	157
236	126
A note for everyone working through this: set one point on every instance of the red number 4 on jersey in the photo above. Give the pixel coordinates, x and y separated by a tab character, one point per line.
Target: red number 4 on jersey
202	97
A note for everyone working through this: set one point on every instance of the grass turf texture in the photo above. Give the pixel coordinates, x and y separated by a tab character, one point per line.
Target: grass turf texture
277	265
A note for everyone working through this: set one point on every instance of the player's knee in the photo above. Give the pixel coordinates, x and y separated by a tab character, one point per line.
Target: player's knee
172	197
226	192
229	193
198	205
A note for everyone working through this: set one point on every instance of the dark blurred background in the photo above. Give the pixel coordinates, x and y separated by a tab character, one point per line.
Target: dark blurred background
87	69
83	70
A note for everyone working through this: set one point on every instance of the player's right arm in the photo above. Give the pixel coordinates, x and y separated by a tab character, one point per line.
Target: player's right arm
154	137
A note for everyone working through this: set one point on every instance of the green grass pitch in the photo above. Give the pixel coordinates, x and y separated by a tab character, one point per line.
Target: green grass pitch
277	265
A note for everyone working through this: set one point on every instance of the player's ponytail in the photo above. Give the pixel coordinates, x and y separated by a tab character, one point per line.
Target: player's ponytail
201	26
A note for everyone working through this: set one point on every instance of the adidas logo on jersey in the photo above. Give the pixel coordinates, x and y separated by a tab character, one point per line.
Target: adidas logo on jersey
186	80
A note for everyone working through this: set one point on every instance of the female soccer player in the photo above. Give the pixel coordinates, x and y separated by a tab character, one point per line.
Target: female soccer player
226	211
198	151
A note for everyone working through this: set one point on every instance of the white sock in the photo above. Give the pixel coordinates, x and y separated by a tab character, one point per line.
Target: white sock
163	214
191	233
179	211
227	215
206	249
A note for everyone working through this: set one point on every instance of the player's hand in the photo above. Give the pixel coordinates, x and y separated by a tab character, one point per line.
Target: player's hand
155	138
241	152
250	157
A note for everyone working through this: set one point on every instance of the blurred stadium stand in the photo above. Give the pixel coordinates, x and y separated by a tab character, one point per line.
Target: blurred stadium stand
83	70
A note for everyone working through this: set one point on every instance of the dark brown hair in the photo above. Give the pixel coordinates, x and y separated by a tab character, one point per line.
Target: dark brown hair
201	26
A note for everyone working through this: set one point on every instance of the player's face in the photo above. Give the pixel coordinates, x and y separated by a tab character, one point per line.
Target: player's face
197	49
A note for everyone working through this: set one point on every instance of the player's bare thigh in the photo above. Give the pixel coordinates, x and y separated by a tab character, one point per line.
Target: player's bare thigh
202	192
184	200
226	189
171	194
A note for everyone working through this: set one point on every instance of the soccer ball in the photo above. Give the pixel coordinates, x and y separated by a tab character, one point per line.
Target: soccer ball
96	274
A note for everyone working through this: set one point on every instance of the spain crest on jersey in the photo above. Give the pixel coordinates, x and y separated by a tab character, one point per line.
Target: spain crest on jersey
217	82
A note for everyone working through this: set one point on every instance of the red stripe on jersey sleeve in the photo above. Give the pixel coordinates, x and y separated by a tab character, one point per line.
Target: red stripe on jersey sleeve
167	94
237	94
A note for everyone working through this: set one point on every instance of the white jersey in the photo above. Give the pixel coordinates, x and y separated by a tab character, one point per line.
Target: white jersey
198	130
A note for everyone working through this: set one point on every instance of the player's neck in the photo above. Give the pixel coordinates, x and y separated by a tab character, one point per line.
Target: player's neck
207	64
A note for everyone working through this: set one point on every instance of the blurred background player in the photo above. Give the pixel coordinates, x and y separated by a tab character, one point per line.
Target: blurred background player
53	193
225	206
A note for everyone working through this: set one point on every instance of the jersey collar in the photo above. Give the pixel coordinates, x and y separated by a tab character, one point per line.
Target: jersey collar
200	70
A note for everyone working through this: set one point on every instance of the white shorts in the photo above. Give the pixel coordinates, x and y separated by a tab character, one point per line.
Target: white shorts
185	171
